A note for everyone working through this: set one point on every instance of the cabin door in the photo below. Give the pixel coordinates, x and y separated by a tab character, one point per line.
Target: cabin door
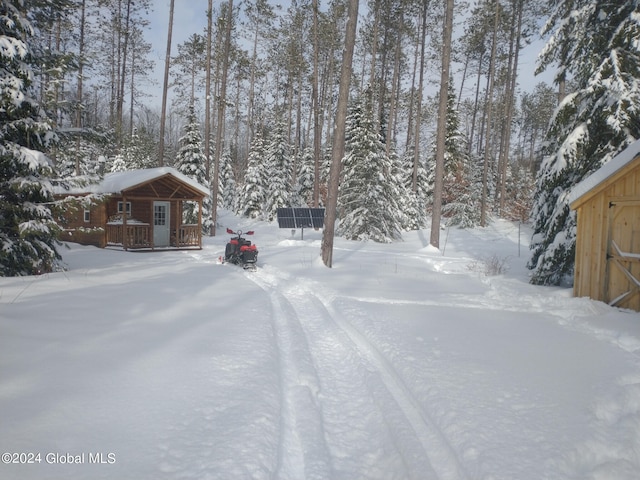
161	223
623	256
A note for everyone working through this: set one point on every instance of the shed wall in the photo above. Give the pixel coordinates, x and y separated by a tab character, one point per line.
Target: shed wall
598	222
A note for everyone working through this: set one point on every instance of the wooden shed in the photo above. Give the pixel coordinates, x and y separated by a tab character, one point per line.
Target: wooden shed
137	209
607	264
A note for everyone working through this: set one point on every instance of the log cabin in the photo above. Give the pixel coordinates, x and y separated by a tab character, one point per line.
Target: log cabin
607	203
134	210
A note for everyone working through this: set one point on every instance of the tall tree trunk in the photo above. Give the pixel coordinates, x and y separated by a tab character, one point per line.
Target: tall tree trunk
476	104
510	98
442	125
222	101
167	60
489	111
132	89
79	93
123	74
416	151
412	97
315	105
337	152
394	88
252	89
207	94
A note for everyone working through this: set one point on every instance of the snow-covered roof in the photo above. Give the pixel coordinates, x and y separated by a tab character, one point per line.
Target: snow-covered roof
605	172
117	182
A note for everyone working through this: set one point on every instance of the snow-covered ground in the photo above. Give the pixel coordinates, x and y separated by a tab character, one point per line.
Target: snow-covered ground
402	361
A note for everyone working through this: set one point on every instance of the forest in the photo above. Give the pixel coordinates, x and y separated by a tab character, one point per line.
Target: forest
252	104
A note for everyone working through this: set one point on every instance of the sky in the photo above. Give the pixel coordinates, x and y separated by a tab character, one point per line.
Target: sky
190	17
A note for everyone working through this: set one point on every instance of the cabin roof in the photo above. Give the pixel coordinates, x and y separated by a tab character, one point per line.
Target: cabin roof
119	182
594	182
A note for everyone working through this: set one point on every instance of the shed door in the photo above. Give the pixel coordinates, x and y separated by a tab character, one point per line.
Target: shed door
623	256
161	223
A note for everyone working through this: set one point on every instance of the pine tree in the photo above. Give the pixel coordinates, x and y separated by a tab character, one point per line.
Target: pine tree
137	152
118	164
367	201
278	161
595	42
191	161
253	193
228	182
27	229
460	196
303	191
416	210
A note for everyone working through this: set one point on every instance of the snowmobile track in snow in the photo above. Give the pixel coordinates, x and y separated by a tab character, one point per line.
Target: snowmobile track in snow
337	368
302	450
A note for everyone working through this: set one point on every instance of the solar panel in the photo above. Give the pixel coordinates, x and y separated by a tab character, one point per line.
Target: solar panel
300	217
317	217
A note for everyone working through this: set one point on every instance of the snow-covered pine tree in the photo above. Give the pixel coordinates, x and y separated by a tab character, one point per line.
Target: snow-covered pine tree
595	44
191	161
303	191
368	198
402	194
252	196
416	213
228	181
278	162
27	228
118	164
460	197
137	152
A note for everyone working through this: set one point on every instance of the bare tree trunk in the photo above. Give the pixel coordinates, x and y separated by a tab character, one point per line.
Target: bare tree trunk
416	150
207	94
475	106
510	97
222	101
394	89
489	111
412	96
316	110
442	125
123	74
167	60
339	136
132	89
80	82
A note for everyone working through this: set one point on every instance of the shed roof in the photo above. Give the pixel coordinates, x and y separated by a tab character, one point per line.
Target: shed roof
119	182
594	182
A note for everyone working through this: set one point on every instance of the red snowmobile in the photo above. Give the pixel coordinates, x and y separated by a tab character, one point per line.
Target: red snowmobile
240	251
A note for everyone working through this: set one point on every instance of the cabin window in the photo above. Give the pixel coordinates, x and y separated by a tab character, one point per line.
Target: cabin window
120	205
87	216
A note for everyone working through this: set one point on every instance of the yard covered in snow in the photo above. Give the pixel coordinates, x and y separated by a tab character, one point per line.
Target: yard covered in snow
401	362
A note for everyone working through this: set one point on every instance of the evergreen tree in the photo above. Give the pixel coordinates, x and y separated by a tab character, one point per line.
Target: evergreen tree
191	161
595	42
118	164
137	152
278	160
27	228
303	191
368	205
416	209
253	193
460	196
228	182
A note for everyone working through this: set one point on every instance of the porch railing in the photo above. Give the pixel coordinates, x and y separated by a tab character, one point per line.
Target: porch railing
138	235
188	236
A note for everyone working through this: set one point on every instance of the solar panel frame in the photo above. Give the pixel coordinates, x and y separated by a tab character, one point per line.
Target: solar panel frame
300	217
